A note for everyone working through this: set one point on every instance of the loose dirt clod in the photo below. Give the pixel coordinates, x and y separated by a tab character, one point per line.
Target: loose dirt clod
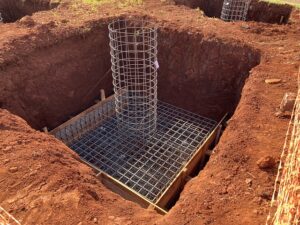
27	21
266	162
13	169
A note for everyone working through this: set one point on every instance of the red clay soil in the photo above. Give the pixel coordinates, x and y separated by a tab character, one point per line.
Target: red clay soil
43	182
12	10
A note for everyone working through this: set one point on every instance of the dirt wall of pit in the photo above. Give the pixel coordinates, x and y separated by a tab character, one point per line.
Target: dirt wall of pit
53	84
202	75
259	11
12	10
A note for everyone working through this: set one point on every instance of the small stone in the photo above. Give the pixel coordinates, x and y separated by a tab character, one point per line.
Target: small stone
111	217
266	194
266	162
95	220
273	81
13	169
249	181
245	26
228	177
80	223
64	21
7	149
255	211
223	191
260	212
279	114
288	101
6	161
258	200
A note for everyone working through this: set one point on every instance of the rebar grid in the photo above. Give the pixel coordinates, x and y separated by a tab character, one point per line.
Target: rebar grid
234	10
134	68
146	167
6	218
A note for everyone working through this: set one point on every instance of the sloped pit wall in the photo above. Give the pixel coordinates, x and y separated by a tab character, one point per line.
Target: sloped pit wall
259	11
55	83
203	76
12	10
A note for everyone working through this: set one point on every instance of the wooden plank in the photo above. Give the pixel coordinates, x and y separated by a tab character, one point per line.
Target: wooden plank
77	117
127	193
181	178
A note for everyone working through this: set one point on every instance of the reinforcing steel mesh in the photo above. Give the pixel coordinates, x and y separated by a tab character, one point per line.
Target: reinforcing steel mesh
134	68
234	10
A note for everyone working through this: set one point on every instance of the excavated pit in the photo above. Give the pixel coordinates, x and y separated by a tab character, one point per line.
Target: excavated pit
13	10
50	86
259	11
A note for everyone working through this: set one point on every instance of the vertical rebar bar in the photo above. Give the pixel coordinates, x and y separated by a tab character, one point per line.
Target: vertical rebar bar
234	10
134	68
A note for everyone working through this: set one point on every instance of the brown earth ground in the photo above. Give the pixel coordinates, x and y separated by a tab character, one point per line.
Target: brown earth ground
44	182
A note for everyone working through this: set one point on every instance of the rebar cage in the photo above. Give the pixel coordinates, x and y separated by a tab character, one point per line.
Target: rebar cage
131	136
234	10
134	68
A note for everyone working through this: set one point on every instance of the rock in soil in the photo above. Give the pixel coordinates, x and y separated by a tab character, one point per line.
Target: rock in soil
288	102
273	81
249	181
266	162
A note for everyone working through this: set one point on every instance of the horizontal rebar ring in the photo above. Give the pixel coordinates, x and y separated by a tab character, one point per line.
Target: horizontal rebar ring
134	68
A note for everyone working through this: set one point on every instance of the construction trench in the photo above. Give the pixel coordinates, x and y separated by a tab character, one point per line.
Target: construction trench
13	10
200	79
226	83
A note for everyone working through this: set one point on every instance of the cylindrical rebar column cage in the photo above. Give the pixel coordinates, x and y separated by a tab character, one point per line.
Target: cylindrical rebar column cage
133	47
234	10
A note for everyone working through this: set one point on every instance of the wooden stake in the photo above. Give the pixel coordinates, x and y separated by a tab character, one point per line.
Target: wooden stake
102	94
281	19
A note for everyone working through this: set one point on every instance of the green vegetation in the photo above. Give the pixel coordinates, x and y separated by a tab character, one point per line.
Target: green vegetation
122	3
96	2
294	3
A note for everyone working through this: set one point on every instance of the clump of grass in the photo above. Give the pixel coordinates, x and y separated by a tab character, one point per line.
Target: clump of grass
97	2
122	3
131	2
281	2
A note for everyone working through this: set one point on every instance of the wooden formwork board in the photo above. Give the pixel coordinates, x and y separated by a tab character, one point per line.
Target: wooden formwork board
118	187
75	118
183	175
127	193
